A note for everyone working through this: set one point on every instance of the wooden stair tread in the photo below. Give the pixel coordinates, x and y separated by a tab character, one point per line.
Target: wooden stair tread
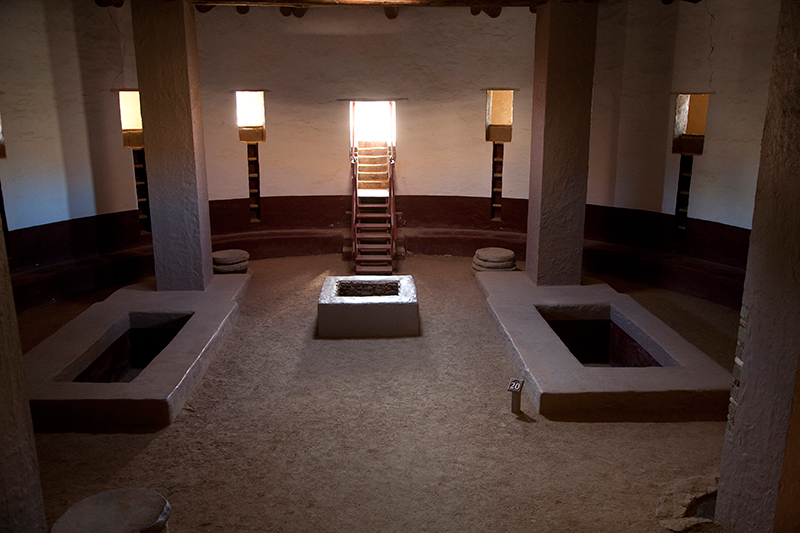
373	193
373	241
372	225
376	200
374	269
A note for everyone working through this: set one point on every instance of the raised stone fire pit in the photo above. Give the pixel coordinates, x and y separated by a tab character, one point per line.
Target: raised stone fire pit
367	306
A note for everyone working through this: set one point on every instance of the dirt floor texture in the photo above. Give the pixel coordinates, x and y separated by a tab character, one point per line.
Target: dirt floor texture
287	432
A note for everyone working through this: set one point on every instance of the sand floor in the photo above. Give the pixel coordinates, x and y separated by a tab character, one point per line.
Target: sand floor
291	433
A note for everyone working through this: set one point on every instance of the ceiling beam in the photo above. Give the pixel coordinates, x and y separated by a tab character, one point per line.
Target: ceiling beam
386	3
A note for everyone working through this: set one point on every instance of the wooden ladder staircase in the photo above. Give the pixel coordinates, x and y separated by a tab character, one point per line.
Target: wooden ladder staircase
373	230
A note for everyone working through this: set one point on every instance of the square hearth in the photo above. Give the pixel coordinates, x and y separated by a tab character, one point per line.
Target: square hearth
367	306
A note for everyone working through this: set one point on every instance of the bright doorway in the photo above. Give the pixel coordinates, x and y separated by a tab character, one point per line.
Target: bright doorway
372	159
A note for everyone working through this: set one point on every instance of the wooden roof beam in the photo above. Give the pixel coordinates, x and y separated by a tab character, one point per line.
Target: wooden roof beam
483	4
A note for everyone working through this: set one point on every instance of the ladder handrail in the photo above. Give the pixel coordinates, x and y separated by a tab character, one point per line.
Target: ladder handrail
392	218
354	206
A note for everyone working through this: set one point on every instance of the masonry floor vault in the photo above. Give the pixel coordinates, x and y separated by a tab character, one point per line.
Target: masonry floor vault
291	433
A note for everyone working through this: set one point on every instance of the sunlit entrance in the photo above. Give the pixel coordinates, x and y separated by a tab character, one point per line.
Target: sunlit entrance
372	160
373	121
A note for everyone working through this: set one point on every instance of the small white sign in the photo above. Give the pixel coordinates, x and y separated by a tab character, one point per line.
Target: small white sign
515	385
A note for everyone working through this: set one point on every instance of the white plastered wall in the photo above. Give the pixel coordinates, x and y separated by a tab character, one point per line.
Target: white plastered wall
35	164
60	65
736	74
646	54
63	61
434	61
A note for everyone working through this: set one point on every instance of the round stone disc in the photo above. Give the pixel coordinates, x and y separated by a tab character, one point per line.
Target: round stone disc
116	511
229	257
495	255
484	269
236	268
493	265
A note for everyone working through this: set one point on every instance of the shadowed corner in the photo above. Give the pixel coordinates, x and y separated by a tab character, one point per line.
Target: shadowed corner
522	417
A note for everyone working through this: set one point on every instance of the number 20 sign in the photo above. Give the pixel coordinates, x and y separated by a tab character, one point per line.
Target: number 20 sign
515	385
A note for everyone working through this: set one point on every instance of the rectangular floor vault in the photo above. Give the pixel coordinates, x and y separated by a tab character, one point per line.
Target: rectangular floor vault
688	386
153	398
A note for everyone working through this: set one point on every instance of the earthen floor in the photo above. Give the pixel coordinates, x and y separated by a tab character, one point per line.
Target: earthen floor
287	432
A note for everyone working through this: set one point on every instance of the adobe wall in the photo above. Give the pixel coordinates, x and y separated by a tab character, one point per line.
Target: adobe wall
646	54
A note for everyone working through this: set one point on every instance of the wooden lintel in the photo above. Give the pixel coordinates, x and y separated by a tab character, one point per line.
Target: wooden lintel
396	3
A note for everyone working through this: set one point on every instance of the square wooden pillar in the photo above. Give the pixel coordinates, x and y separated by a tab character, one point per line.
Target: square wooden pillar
563	71
169	87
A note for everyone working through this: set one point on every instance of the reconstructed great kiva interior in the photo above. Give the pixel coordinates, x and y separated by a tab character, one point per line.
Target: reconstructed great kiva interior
622	174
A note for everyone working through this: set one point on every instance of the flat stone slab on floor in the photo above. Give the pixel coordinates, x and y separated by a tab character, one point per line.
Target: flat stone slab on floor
689	385
497	265
495	255
380	315
153	399
117	511
229	257
232	268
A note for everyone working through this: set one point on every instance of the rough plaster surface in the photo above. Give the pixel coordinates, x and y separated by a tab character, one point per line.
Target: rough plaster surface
688	386
61	64
21	505
645	50
155	396
435	61
736	73
166	48
645	124
759	486
564	65
604	139
27	91
368	316
66	159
